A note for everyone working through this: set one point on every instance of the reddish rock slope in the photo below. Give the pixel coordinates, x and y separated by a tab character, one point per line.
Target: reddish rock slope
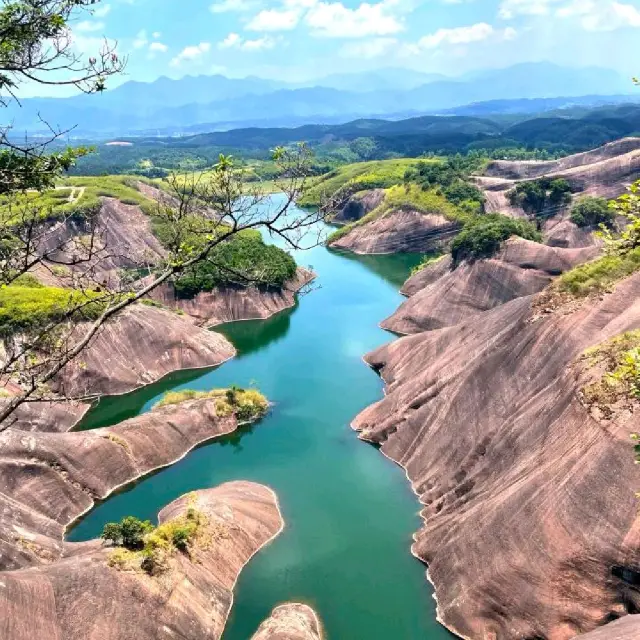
359	205
81	597
290	622
531	526
450	295
399	231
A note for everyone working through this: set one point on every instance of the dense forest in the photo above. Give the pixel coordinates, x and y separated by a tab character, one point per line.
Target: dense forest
499	136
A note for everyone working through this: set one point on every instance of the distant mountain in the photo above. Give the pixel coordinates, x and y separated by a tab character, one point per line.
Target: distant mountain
168	106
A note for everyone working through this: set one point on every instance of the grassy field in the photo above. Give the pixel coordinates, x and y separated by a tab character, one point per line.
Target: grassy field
376	174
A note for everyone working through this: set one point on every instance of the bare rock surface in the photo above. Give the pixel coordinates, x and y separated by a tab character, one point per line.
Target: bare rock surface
561	232
449	296
399	231
291	621
531	525
359	205
81	597
47	480
228	304
140	346
604	172
628	628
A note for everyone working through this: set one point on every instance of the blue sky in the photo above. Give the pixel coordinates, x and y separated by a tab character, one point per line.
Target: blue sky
299	40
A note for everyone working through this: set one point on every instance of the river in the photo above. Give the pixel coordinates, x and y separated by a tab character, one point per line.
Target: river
349	511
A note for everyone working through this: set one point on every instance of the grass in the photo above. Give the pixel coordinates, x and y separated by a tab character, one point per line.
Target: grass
54	204
27	308
405	197
245	404
619	360
375	174
599	275
428	260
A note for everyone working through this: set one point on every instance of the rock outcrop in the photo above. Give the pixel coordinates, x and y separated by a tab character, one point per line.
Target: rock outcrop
359	205
290	622
82	596
450	295
47	480
399	231
228	304
626	629
531	525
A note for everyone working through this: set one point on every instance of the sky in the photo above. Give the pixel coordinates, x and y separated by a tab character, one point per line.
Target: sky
300	40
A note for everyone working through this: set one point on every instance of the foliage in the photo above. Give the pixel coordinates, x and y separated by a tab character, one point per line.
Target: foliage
130	532
619	358
241	260
427	260
536	196
25	307
627	206
409	196
592	212
351	178
483	236
245	404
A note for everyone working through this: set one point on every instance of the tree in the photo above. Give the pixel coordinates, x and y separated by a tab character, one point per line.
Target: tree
197	214
592	212
129	532
541	195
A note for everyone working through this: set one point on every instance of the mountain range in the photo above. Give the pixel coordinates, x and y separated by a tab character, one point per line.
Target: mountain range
195	104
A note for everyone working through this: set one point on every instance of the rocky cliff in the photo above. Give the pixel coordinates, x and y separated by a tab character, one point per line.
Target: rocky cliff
442	295
290	622
228	304
399	231
82	596
531	526
359	205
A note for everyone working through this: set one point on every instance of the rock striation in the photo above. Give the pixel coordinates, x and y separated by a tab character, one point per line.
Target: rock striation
47	480
290	622
359	205
442	296
531	526
81	596
228	304
399	231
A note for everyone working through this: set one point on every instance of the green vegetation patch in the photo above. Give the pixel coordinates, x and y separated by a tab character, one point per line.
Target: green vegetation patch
599	275
618	363
141	546
351	178
537	196
483	236
409	196
427	261
245	404
28	308
592	212
243	259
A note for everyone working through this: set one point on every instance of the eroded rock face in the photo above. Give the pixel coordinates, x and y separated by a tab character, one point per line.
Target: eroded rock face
397	232
450	296
359	205
531	526
138	347
47	480
81	597
290	622
626	629
236	303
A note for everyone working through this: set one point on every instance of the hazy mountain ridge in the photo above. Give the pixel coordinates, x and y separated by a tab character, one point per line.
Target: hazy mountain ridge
168	106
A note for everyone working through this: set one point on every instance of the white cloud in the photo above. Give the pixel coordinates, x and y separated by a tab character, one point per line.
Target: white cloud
511	8
102	11
158	47
458	35
191	53
140	40
275	20
334	20
228	6
87	26
602	15
155	35
235	41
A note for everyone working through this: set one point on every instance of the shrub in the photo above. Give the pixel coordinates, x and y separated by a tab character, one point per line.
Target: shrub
592	212
535	196
483	236
129	532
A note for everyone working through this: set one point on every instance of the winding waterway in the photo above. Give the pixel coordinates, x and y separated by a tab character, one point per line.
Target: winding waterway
349	511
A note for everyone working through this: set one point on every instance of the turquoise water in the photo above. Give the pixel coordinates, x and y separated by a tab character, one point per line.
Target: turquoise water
349	511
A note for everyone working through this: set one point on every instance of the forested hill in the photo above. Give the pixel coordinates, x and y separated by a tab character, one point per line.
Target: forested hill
505	135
